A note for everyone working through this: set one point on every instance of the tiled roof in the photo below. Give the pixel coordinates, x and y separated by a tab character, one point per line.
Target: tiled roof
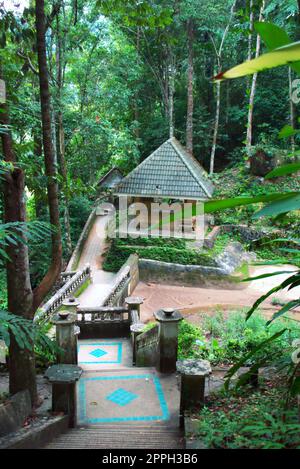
110	179
170	171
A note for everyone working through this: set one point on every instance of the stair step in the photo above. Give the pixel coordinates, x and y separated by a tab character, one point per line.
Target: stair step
113	437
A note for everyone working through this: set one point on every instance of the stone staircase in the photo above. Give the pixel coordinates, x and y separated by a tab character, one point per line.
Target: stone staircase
121	406
120	437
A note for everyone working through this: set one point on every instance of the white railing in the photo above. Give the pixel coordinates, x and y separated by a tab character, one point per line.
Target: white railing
73	284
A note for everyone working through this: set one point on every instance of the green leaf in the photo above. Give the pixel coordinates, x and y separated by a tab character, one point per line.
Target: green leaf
271	274
295	388
215	205
287	131
277	207
283	170
272	35
249	355
281	56
290	305
279	287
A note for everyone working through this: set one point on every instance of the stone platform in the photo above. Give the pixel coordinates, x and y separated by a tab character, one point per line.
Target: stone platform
132	395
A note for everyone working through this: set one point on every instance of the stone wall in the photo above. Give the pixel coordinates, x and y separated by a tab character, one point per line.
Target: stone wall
73	262
197	275
14	412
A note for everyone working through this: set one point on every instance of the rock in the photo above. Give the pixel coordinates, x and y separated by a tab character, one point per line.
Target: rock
262	163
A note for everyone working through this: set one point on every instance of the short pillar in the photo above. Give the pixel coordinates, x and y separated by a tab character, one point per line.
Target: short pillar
192	391
63	379
71	304
134	304
66	336
168	320
135	329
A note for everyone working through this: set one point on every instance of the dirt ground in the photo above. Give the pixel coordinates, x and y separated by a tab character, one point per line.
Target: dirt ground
192	300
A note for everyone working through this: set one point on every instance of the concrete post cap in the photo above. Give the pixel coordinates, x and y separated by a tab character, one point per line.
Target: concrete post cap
134	300
168	315
71	301
64	318
194	367
137	327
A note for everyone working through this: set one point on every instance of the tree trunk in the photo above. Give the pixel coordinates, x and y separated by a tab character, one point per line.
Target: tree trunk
19	292
218	52
190	97
61	138
48	281
171	95
292	109
39	196
253	88
216	127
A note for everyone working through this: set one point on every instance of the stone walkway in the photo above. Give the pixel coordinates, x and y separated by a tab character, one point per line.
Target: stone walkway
119	406
192	300
92	254
111	390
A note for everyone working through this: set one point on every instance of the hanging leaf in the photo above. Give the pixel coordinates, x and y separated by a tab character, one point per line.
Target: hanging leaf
290	305
271	274
215	205
279	287
283	170
281	56
272	35
245	359
287	204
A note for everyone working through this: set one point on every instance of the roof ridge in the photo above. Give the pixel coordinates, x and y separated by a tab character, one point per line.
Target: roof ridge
177	152
185	156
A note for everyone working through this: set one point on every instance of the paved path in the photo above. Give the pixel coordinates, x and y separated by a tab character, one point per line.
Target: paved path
92	254
120	406
195	299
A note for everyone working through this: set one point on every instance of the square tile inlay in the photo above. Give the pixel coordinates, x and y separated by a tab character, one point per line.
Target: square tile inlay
121	397
98	353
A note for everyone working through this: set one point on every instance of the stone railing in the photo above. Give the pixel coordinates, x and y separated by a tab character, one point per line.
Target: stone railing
73	262
70	287
102	313
146	347
147	338
119	289
103	322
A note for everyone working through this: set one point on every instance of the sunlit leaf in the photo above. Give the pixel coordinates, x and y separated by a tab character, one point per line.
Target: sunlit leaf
281	56
283	170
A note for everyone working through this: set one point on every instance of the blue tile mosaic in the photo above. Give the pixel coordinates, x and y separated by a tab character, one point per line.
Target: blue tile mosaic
159	392
98	353
118	355
121	397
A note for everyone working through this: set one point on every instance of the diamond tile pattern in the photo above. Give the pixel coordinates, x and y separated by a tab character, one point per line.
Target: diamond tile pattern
121	397
169	171
98	353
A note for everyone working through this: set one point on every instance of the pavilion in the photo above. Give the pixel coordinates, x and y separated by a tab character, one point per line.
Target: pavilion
169	174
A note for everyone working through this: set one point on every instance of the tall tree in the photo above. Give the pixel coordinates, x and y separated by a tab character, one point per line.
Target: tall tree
218	53
253	88
49	157
19	291
190	97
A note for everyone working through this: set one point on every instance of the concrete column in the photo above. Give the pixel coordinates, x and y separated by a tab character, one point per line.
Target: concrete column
193	374
71	304
134	304
168	320
135	329
66	336
63	379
